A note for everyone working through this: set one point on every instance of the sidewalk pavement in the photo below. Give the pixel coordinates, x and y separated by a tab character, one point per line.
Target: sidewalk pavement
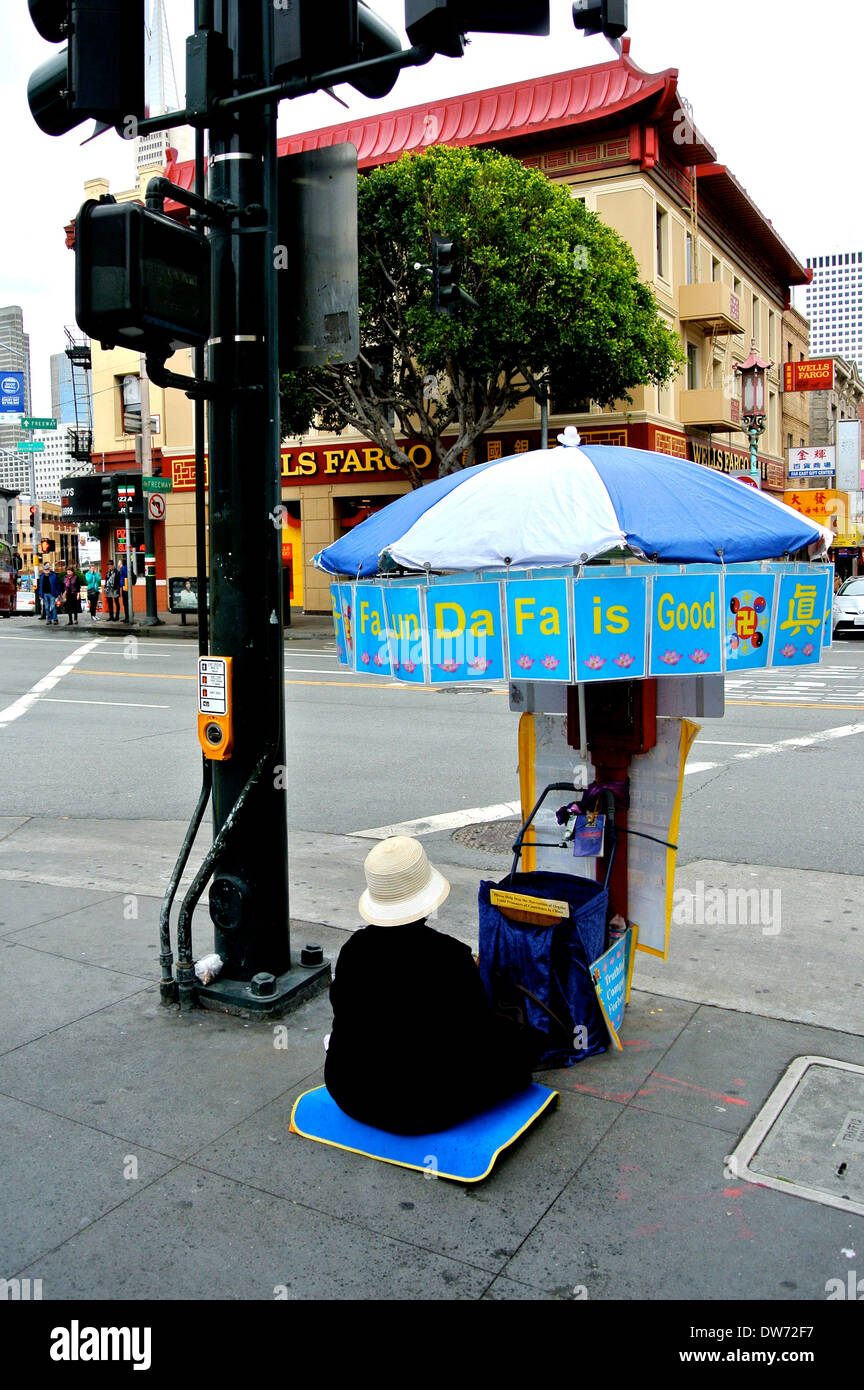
303	627
147	1154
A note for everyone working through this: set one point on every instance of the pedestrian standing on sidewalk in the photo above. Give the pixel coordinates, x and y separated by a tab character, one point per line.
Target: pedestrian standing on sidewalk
72	596
94	587
415	1046
112	592
124	590
49	588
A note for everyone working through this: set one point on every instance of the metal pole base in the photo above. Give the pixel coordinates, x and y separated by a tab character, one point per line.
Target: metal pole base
281	993
146	621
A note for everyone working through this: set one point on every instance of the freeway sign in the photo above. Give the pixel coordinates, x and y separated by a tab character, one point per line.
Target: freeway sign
30	447
156	484
38	422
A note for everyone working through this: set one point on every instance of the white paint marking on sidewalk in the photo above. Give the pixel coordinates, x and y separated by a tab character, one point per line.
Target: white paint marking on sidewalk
127	704
25	702
449	820
699	767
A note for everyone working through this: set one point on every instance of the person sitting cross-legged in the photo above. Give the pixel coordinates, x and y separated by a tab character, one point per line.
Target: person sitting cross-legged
415	1047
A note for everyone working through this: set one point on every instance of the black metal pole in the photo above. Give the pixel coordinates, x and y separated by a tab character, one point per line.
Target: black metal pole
249	895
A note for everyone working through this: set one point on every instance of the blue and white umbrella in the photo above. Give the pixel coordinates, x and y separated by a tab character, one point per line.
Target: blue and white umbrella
566	506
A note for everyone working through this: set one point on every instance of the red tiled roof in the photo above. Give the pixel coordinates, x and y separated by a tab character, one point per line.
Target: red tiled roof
523	111
517	111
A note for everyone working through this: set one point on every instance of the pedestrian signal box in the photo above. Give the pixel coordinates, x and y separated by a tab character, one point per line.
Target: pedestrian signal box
215	715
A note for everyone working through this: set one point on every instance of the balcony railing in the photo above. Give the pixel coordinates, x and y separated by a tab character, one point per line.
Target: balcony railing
710	305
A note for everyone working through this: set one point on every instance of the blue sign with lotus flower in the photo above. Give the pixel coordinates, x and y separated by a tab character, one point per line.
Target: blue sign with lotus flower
686	632
466	632
610	623
538	630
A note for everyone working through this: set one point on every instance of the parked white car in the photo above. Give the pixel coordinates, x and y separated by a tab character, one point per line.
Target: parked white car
848	611
25	601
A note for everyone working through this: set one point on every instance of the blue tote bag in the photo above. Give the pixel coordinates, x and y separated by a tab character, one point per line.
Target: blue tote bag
550	962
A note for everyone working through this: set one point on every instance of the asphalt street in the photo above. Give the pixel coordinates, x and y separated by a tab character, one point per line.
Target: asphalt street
101	727
626	1192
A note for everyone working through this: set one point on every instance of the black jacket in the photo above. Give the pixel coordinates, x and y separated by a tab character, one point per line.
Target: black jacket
415	1047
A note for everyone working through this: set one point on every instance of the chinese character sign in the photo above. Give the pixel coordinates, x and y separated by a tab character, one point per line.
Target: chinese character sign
800	618
815	462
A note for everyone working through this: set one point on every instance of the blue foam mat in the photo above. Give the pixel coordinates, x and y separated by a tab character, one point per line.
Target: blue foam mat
466	1153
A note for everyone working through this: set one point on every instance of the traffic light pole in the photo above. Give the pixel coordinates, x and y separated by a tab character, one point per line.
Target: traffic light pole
249	892
151	617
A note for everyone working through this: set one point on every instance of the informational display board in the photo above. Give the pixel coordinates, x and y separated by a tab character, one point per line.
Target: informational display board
656	786
604	623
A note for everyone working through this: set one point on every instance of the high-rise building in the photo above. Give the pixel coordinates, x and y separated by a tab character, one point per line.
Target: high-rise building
14	357
62	389
51	463
71	393
151	150
834	304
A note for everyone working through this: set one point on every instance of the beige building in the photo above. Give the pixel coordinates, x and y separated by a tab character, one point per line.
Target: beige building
795	405
623	141
61	537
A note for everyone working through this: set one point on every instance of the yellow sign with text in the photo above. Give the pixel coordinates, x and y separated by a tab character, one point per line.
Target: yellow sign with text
523	902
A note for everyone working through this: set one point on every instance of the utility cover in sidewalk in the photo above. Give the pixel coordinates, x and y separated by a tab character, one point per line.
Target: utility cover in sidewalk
808	1138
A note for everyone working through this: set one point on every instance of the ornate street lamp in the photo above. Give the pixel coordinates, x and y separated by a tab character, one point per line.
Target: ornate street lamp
753	411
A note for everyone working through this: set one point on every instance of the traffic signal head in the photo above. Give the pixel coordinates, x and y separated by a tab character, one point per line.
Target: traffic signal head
310	38
608	17
316	280
100	72
445	290
142	281
46	547
442	24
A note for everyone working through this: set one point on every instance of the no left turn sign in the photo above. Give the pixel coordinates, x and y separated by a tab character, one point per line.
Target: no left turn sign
156	506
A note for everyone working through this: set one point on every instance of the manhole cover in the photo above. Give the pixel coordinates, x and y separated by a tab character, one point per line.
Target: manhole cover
808	1138
493	836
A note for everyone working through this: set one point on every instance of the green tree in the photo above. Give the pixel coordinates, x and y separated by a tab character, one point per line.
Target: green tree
560	305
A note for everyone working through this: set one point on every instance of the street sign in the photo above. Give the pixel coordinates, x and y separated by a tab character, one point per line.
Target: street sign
30	446
156	506
156	484
38	422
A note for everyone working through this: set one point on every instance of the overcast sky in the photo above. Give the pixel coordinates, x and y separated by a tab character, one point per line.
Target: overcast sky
775	86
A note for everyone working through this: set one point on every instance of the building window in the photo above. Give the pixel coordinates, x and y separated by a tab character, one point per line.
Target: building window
715	269
755	318
688	259
662	232
692	367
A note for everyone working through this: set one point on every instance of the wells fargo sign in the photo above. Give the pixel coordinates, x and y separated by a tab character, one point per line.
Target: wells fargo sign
330	462
727	460
815	375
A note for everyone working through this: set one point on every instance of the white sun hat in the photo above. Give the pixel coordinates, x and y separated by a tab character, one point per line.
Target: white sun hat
402	885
